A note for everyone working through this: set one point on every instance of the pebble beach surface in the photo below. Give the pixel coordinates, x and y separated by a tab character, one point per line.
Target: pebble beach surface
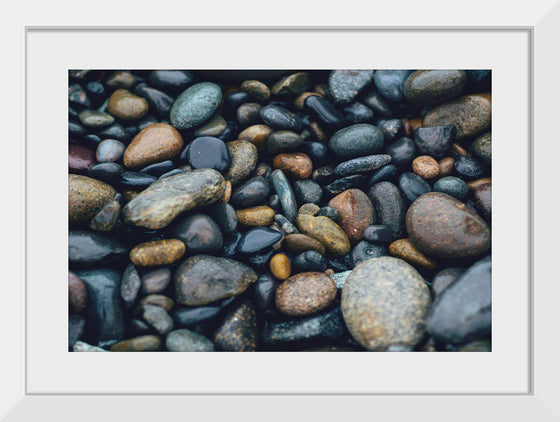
276	210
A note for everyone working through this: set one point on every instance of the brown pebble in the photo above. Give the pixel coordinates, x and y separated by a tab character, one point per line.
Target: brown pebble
238	332
407	128
156	281
326	231
80	158
318	132
256	134
295	164
157	252
124	105
155	143
158	300
473	184
256	216
129	195
355	212
426	167
77	293
329	271
415	124
299	242
86	197
309	209
305	293
227	192
299	101
256	89
121	79
280	266
446	166
405	249
138	344
457	150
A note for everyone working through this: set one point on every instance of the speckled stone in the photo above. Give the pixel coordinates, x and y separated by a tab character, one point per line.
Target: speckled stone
405	249
389	207
203	279
385	303
165	199
340	278
283	141
95	119
284	191
355	212
195	105
256	216
280	118
362	165
280	266
155	143
80	346
256	134
244	157
124	105
184	340
107	218
390	83
345	85
157	252
120	79
441	226
307	191
238	332
482	148
309	209
296	164
256	89
86	197
425	87
468	167
155	281
326	231
298	242
426	167
453	186
356	141
77	294
305	294
148	343
295	84
130	286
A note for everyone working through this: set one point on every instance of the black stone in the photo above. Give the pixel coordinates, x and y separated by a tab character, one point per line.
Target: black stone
76	130
362	165
91	140
248	114
389	207
78	97
258	239
402	152
390	83
133	180
307	191
159	102
377	103
412	186
387	173
224	215
280	118
378	233
260	261
468	167
436	140
329	212
158	169
251	193
171	173
338	265
323	175
390	128
145	122
282	141
96	92
348	182
171	81
115	131
317	151
325	111
208	152
366	250
231	243
358	113
87	248
200	234
265	288
309	261
232	101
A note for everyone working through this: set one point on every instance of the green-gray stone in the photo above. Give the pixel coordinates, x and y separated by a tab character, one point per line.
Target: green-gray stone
340	278
357	141
195	105
425	87
453	186
187	341
95	119
482	147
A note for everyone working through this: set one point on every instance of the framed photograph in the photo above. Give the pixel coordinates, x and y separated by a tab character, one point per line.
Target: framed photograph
514	379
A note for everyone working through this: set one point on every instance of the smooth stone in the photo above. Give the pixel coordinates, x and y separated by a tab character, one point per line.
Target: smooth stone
284	191
340	279
377	103
87	248
183	340
293	84
157	142
473	184
307	191
95	119
426	167
77	294
107	218
157	252
413	186
147	343
80	158
238	332
280	118
355	212
165	199
258	239
76	130
264	290
385	303
224	215
130	286
253	192
260	261
195	105
482	148
322	328
280	266
356	141
115	131
389	206
295	164
109	150
453	186
232	101
358	113
171	173
444	278
214	127
345	85
200	233
158	318
365	250
483	200
309	209
78	97
310	261
159	102
405	249
76	324
120	79
256	134
171	80
244	156
298	242
97	92
188	317
326	231
378	234
329	212
256	216
361	165
436	140
80	346
156	281
390	128
390	83
446	166
424	87
208	152
325	111
305	294
285	225
443	227
231	243
203	279
468	167
86	197
256	89
283	141
104	315
348	182
158	169
386	173
248	114
124	105
340	264
133	180
463	311
317	151
471	115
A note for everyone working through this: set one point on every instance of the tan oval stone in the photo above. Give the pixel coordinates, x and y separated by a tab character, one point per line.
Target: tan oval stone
326	231
446	166
155	143
256	134
280	266
157	252
305	294
124	105
86	197
138	344
355	212
256	216
244	157
426	167
256	89
295	164
299	242
405	249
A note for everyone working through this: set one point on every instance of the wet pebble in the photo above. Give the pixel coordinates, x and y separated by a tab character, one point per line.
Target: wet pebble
124	105
310	261
305	294
356	141
208	152
184	340
238	331
365	250
200	234
413	186
195	105
452	186
95	119
345	85
153	144
389	207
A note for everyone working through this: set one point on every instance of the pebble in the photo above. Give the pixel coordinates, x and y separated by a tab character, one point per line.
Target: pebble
158	318
248	114
157	142
443	279
390	128
463	311
159	102
280	118
329	212
482	148
76	325
483	200
195	105
256	134
358	113
390	83
124	105
87	248
356	141
389	207
107	218
95	119
355	212
283	141
203	279
378	234
200	233
184	340
345	85
256	89
148	343
121	79
377	103
340	279
133	180
284	191
80	158
86	197
386	173
256	216
238	331
264	290
305	294
214	127
115	131
446	166
299	242
468	167
307	191
405	249
171	80
109	150
156	281
424	87
326	231
325	111
310	261
165	199
293	84
309	209
189	317
362	165
348	182
295	164
78	97
258	239
441	226
244	156
253	192
157	252
402	152
474	184
413	186
280	266
130	286
365	250
77	294
453	186
385	303
471	115
159	169
426	167
208	152
435	141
